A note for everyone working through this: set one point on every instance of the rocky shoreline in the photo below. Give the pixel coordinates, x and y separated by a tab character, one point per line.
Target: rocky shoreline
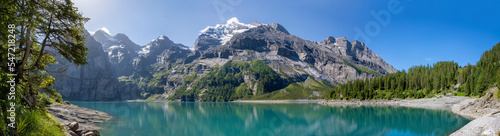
78	121
484	111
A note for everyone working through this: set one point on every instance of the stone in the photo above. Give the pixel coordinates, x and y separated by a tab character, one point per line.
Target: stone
78	131
90	133
71	133
73	126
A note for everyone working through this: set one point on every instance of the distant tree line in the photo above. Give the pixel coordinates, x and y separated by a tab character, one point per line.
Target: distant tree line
427	81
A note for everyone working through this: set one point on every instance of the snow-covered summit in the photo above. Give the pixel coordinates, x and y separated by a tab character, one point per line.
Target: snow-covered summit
103	29
110	42
160	44
224	32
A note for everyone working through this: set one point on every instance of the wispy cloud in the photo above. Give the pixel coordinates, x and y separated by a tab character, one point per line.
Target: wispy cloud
428	59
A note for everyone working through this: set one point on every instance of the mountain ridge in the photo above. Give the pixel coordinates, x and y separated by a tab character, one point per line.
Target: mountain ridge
163	69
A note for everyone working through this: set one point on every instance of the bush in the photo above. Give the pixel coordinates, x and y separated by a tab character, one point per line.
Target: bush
459	94
498	94
44	100
2	127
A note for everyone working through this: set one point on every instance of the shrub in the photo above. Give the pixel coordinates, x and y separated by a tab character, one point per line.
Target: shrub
498	94
44	100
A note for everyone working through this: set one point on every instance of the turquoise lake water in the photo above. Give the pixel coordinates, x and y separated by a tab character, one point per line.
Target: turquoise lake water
252	119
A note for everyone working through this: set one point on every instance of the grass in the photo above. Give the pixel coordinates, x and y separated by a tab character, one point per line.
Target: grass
286	76
319	86
362	69
458	94
369	71
38	122
301	70
153	97
298	90
498	94
190	78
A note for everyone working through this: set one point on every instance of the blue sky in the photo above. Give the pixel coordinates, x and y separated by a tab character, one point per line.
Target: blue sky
419	32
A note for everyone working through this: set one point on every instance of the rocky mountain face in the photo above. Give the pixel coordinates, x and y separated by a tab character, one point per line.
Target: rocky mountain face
333	60
355	50
227	62
213	36
92	82
120	49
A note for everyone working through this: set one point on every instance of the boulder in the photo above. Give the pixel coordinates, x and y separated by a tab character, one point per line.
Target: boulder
73	126
71	133
90	133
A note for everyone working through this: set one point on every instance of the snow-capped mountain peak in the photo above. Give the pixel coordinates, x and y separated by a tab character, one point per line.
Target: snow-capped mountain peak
162	37
103	29
234	20
224	32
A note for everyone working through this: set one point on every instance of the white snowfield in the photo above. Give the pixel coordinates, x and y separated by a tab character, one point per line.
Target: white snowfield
225	32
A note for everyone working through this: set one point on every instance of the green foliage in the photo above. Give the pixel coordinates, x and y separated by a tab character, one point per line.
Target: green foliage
362	69
266	77
427	81
227	82
498	94
38	122
153	97
190	78
310	89
43	30
297	90
416	83
242	91
458	93
321	85
44	100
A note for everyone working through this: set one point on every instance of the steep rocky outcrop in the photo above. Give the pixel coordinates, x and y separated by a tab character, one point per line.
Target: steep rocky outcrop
119	69
120	49
333	60
161	50
213	36
356	50
93	81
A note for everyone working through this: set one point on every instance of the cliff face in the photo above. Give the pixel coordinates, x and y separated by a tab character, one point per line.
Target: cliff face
120	49
119	69
333	60
94	81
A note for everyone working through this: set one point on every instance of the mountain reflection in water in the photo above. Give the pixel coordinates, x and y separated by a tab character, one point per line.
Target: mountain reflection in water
228	119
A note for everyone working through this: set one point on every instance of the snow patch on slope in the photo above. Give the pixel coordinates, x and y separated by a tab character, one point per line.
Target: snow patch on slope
225	32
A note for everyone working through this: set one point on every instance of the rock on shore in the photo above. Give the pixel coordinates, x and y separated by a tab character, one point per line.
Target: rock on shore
78	119
485	111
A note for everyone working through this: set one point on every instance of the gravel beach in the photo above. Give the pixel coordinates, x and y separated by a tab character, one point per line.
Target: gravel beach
86	118
484	111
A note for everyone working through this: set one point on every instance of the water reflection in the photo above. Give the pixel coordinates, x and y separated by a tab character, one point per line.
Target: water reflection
227	119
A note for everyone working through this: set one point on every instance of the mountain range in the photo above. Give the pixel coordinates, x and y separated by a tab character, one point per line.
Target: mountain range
227	62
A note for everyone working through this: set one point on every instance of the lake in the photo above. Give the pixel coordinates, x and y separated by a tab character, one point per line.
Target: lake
258	119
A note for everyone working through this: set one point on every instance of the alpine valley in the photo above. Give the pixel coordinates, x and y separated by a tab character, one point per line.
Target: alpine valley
227	62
